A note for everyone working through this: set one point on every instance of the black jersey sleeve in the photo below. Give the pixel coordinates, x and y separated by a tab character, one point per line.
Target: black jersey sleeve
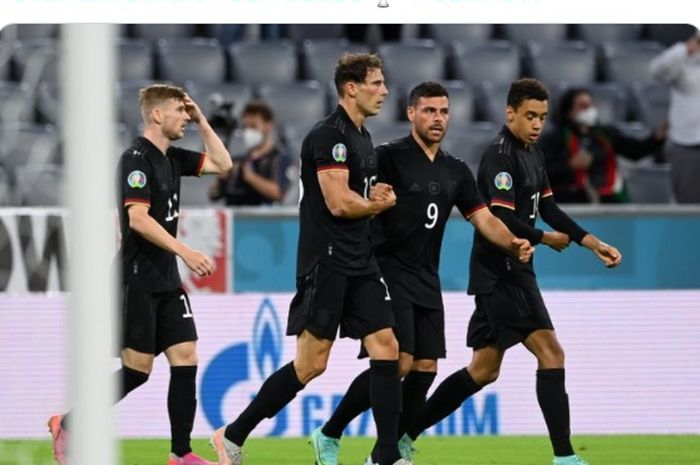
192	162
469	200
328	149
498	172
560	221
135	177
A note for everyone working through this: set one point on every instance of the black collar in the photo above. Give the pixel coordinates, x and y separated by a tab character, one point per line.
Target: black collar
416	146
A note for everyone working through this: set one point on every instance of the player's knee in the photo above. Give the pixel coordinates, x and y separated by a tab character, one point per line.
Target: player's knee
552	357
310	369
484	375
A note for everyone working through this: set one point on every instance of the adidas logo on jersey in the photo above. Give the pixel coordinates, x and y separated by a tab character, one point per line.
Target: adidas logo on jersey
414	187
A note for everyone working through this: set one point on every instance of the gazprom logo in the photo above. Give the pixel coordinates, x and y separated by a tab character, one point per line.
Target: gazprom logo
231	368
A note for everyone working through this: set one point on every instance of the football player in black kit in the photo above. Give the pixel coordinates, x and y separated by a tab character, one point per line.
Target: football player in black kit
338	279
509	308
157	316
428	183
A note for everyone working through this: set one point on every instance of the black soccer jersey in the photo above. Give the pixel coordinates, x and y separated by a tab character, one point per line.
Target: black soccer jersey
148	177
342	243
409	236
512	176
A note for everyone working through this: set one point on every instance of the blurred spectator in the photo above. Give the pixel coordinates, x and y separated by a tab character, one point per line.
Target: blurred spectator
258	177
679	67
581	155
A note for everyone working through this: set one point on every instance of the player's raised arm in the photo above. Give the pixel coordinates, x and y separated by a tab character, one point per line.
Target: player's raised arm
217	158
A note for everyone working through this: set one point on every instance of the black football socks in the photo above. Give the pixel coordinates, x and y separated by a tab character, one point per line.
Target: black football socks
276	392
128	380
355	401
554	403
414	390
385	400
182	404
447	398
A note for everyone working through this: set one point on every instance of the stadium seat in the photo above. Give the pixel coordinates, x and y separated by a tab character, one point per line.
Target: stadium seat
5	57
305	101
466	33
154	32
393	108
634	129
48	102
491	101
135	60
16	103
128	111
521	34
412	61
383	133
36	60
321	56
264	62
469	142
7	197
611	101
194	191
40	185
651	103
302	32
123	138
27	144
294	135
199	60
649	184
628	62
572	62
29	31
597	34
210	96
191	140
496	61
669	34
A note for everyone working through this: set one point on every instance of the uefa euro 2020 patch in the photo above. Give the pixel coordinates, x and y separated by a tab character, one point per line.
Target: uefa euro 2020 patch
503	181
340	153
136	179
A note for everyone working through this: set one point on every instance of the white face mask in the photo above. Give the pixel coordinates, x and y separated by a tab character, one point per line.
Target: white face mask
587	117
252	138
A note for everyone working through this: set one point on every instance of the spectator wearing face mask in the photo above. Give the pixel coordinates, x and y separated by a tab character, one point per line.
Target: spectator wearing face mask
581	155
258	177
679	67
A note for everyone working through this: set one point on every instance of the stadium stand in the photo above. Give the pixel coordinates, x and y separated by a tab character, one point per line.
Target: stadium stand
469	143
475	62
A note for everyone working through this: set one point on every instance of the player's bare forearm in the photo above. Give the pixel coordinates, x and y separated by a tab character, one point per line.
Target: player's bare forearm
147	227
218	159
343	202
496	232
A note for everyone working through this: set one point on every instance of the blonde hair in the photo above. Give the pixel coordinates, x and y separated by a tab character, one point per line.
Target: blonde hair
155	94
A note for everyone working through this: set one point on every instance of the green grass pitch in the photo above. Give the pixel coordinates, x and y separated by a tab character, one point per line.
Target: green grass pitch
483	450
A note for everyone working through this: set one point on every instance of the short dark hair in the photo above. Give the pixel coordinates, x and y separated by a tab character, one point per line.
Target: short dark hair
566	102
258	107
526	89
427	89
354	67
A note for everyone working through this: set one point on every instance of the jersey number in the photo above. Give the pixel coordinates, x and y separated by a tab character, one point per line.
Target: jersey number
432	214
535	204
369	184
386	288
172	209
188	312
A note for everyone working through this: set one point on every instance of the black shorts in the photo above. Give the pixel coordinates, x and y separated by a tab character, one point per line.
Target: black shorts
507	316
327	299
419	330
152	322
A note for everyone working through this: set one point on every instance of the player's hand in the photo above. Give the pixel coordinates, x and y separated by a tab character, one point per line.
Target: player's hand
385	198
380	192
193	109
522	249
556	240
608	255
198	262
